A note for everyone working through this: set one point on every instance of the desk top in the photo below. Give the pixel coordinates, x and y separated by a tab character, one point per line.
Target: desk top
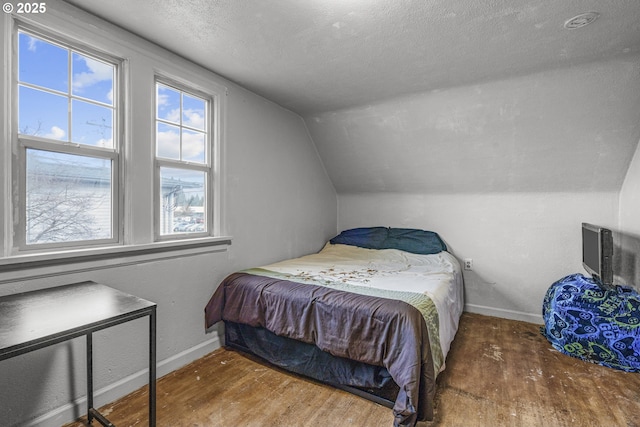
35	319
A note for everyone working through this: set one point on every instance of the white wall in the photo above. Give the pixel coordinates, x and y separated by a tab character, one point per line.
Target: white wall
628	262
520	243
278	203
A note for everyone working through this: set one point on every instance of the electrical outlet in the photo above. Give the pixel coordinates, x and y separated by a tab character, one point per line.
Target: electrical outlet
468	264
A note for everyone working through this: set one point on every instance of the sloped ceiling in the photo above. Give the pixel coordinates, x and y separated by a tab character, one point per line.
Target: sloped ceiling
571	129
427	95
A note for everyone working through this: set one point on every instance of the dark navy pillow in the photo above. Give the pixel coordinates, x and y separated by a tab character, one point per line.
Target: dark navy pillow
366	237
415	241
406	239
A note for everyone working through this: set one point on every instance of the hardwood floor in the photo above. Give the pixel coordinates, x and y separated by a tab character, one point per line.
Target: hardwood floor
499	373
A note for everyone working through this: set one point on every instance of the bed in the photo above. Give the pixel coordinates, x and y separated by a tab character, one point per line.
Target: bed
375	312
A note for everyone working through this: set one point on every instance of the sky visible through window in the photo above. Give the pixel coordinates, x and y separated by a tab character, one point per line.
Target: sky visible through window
181	125
64	95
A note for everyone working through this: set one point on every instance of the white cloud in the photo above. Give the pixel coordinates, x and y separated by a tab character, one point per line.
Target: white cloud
173	115
56	133
98	72
194	118
193	146
32	44
169	144
163	99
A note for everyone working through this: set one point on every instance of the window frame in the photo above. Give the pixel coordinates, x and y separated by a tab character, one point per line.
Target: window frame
141	61
208	167
20	143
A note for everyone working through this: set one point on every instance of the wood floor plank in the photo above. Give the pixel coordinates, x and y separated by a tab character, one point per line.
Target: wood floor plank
499	373
508	374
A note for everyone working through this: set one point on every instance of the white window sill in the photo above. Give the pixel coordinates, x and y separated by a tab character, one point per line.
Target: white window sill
24	266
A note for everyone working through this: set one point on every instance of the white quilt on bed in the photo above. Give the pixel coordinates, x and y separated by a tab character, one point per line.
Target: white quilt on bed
438	276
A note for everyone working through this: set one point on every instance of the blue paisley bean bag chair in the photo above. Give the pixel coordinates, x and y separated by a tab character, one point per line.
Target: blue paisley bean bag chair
599	326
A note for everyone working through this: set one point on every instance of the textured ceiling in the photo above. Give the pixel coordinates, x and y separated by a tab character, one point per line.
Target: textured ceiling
320	55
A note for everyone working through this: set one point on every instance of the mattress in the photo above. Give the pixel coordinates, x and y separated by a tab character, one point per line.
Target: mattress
383	272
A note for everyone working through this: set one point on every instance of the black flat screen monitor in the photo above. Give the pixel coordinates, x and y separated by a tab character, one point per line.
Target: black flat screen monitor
597	253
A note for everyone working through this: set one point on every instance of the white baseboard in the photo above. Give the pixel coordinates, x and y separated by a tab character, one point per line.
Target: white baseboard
504	313
68	413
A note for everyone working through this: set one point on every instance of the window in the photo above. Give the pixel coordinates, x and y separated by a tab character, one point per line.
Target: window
183	162
68	151
103	158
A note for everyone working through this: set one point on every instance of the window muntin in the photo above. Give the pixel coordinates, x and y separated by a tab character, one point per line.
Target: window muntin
67	153
183	157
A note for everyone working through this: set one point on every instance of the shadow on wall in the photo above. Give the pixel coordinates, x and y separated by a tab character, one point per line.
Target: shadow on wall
626	259
23	376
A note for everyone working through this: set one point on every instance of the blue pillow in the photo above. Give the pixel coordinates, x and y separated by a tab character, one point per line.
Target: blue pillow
367	237
415	241
405	239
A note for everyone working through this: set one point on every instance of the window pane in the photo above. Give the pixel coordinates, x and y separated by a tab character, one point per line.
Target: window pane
168	104
42	114
91	124
193	146
193	112
92	79
42	63
168	141
183	201
68	198
181	136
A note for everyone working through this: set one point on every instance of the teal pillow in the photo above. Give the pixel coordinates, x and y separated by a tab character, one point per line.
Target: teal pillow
415	241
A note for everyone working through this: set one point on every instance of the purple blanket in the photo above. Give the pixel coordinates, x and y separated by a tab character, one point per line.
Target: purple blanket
373	330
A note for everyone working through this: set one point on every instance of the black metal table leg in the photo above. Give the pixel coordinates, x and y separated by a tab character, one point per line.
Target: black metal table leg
152	367
89	377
